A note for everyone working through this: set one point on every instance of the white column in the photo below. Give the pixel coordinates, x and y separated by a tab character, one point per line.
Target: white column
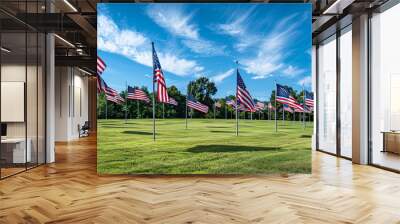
360	90
50	98
314	90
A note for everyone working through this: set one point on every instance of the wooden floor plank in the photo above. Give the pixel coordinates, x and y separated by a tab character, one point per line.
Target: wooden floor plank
70	191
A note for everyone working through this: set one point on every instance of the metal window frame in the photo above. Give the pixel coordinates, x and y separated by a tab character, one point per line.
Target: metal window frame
44	73
338	33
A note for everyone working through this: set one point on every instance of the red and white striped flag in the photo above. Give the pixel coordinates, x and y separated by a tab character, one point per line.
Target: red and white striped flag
173	101
158	77
287	108
116	99
260	106
270	106
137	94
101	66
193	103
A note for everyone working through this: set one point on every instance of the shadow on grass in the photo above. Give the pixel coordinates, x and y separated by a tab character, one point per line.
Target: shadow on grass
217	127
229	148
305	136
138	133
222	131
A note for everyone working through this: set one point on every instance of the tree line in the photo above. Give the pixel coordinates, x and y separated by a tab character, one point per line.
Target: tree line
202	90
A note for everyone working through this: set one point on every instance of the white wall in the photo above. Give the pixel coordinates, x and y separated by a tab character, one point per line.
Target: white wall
71	102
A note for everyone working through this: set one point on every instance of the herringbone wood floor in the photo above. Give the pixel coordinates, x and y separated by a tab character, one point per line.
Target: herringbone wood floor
70	191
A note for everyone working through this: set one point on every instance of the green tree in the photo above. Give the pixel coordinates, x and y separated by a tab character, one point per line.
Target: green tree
202	89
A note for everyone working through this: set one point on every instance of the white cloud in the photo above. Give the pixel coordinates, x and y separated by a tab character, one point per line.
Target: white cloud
306	81
220	77
272	51
292	71
136	47
173	20
238	27
204	47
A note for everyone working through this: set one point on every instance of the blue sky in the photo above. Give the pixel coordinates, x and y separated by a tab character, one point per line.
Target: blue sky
270	41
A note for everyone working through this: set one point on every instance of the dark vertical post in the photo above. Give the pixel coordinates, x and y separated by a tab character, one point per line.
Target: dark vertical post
276	122
154	102
226	111
137	109
126	102
338	72
237	105
304	108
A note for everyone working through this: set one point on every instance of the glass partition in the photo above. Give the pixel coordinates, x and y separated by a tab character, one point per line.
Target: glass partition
385	89
346	92
22	101
13	92
327	95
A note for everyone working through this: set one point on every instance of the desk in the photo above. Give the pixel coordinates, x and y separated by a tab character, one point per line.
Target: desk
391	141
17	151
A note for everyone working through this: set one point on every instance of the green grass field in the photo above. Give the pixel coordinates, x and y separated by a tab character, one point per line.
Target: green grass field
207	147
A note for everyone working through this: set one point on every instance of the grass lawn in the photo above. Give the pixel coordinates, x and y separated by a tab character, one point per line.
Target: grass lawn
207	147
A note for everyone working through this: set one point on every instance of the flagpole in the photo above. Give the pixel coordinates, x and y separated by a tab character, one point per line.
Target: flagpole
276	122
237	120
226	111
126	102
137	108
186	107
214	110
283	111
154	102
304	108
163	110
269	112
106	109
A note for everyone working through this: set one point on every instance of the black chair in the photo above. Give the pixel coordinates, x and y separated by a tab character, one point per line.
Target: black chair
84	130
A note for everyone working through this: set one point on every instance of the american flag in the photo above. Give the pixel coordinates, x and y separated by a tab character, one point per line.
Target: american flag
116	99
193	103
158	76
260	106
307	109
283	96
110	91
231	103
270	106
101	87
218	104
309	99
298	110
242	108
137	94
173	101
243	96
101	66
287	108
